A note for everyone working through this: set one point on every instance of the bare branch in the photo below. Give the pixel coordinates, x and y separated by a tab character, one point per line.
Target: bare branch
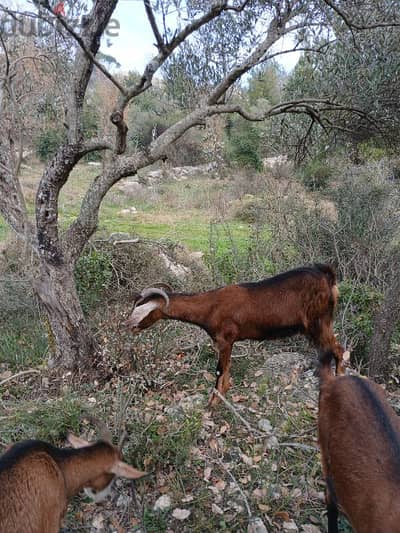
275	31
153	24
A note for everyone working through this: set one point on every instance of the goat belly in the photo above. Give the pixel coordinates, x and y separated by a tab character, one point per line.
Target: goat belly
258	332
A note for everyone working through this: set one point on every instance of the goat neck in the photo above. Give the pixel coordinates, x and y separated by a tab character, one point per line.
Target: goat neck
193	308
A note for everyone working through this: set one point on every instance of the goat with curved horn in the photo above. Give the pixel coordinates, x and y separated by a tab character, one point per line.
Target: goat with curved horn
302	301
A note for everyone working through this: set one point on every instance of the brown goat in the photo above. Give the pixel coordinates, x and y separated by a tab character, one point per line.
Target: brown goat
298	301
37	480
359	437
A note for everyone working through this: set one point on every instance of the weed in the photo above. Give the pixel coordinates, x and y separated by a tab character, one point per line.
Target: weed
155	521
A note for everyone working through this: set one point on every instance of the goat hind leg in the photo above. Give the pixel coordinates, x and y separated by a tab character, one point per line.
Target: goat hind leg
223	382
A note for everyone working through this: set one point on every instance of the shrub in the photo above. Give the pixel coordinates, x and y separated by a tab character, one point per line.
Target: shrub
251	209
93	273
233	260
358	304
243	145
369	151
315	175
47	143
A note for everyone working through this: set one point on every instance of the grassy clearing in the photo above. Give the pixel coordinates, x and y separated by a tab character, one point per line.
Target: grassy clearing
177	211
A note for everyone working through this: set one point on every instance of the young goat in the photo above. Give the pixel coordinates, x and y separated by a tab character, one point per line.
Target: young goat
298	301
359	437
37	480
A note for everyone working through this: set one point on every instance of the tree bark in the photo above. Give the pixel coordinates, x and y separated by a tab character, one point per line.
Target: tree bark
71	342
385	323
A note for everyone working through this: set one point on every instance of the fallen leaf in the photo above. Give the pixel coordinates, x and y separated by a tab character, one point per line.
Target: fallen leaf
247	460
220	484
162	503
181	514
289	526
256	525
216	509
213	443
207	473
264	508
282	515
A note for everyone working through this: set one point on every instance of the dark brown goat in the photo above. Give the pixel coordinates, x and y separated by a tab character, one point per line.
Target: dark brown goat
359	436
298	301
37	480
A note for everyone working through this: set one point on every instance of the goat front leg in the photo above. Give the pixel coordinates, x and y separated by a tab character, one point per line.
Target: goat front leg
324	339
332	511
223	382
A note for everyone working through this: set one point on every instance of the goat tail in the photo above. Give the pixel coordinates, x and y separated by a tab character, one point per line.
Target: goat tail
330	276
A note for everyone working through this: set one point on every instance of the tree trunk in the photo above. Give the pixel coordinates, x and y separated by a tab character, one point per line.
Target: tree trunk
71	342
385	323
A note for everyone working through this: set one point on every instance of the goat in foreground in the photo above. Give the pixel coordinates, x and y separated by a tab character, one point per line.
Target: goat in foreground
37	480
359	437
299	301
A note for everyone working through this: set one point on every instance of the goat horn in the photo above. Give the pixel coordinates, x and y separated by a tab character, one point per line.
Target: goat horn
153	291
161	285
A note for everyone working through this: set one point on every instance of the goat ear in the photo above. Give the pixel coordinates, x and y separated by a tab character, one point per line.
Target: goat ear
77	442
122	469
140	312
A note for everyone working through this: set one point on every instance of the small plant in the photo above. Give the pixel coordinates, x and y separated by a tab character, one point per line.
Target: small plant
232	260
369	151
93	273
22	339
155	521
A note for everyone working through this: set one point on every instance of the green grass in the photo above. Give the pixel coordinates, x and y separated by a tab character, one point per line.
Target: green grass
183	212
23	340
48	420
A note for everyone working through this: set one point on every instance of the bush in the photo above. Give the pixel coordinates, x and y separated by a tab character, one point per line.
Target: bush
358	304
233	260
315	175
93	273
369	151
243	146
47	143
251	209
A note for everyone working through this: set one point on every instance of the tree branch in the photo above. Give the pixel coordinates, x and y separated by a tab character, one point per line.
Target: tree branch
168	48
153	24
352	25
